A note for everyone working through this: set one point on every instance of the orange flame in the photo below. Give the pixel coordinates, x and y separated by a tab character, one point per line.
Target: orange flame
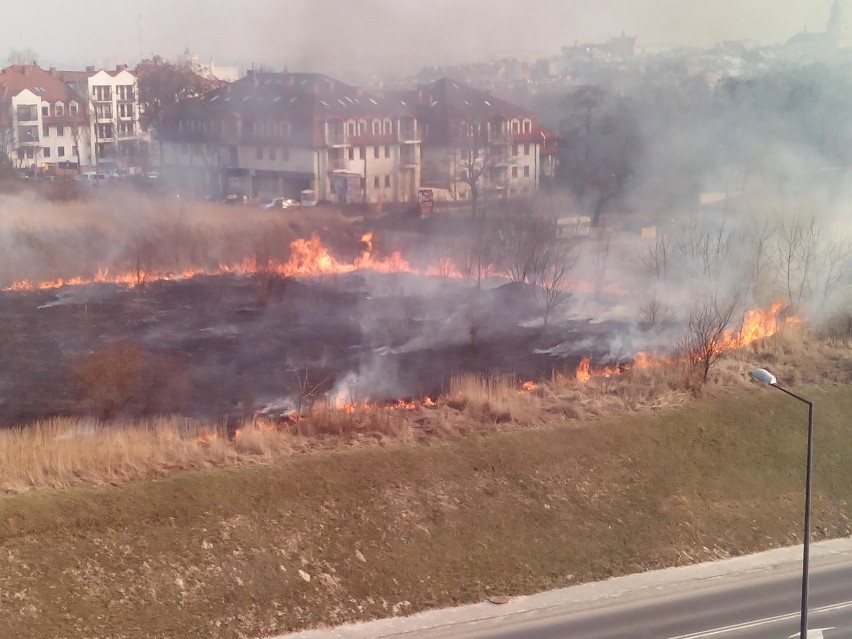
757	324
308	257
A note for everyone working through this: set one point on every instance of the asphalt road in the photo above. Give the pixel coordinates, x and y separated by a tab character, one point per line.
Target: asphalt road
752	597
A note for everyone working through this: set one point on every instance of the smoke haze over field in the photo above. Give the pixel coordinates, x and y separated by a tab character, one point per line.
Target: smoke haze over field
384	35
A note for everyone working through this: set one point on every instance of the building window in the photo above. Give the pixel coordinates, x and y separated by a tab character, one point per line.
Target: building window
45	130
526	149
72	108
45	110
388	130
351	152
387	181
514	171
47	151
514	149
272	153
376	182
74	150
375	152
60	130
60	151
516	126
59	109
377	127
102	93
527	126
527	170
259	153
362	152
387	150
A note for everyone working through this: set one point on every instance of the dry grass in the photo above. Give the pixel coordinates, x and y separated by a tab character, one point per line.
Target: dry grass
73	452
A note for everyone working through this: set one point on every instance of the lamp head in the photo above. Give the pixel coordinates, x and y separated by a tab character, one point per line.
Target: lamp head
763	375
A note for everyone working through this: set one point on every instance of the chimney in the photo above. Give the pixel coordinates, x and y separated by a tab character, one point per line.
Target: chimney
52	70
90	69
120	67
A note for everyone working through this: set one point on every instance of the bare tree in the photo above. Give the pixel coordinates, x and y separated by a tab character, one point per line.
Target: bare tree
555	261
705	339
798	247
520	242
308	391
473	165
654	312
656	259
758	239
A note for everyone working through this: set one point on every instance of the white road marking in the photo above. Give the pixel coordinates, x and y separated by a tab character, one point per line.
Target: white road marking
813	633
767	620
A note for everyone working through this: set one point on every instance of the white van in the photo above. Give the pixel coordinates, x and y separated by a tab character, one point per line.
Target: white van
91	177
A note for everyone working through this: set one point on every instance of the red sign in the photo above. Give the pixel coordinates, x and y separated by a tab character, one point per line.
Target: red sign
424	196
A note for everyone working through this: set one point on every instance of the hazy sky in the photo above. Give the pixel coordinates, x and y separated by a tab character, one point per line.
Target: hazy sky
381	35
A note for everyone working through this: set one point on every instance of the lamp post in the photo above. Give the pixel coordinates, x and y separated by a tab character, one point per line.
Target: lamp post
766	377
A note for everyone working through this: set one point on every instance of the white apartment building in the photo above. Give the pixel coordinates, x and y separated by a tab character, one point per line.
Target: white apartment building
52	119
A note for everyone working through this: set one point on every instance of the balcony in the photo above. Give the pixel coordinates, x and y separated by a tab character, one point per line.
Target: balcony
409	135
409	160
336	139
338	164
500	137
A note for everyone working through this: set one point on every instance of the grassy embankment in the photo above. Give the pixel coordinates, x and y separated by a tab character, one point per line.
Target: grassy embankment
544	500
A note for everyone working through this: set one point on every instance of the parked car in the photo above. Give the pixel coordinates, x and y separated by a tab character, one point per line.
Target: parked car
282	203
235	198
92	178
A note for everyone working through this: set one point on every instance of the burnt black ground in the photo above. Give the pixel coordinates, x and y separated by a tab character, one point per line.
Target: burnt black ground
220	347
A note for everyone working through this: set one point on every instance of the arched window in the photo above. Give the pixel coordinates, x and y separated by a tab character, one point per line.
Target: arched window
377	127
516	126
527	126
59	109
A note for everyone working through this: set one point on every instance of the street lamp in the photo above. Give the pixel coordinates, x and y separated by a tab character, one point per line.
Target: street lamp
766	377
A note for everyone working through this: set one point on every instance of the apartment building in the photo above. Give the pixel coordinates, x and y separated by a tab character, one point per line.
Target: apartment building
112	110
275	134
86	118
472	139
42	119
285	133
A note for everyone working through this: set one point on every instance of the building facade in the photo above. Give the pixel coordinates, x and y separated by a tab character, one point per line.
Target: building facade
49	118
273	134
283	134
476	145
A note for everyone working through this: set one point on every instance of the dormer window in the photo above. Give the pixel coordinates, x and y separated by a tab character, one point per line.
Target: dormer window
59	109
527	126
45	110
72	108
516	126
